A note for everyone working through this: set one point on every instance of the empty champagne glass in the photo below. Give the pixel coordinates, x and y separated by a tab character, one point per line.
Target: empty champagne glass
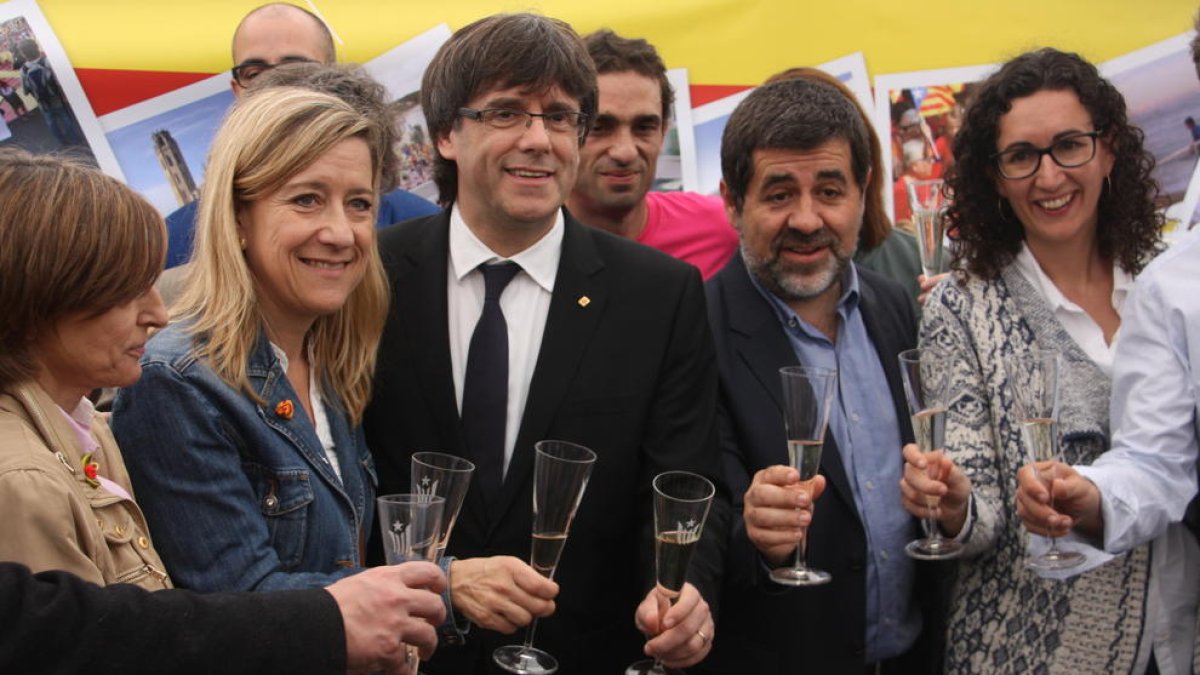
447	476
928	204
926	375
410	524
681	501
807	399
560	475
1035	380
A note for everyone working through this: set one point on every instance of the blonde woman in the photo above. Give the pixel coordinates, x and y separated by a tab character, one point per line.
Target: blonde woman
79	253
243	434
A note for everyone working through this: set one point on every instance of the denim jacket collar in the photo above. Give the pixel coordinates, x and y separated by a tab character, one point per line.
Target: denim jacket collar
282	411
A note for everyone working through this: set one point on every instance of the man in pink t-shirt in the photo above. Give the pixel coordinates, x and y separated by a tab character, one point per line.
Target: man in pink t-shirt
617	163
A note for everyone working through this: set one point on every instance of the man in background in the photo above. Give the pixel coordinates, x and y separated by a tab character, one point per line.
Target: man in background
618	161
269	36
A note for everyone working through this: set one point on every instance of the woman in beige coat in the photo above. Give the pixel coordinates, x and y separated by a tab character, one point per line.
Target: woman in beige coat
79	253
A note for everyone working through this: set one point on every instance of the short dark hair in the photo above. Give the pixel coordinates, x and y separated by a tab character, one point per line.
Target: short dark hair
1196	44
29	49
988	232
353	85
530	51
876	223
790	115
326	35
615	54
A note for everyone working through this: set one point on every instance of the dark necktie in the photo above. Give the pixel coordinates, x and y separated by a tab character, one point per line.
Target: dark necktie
485	387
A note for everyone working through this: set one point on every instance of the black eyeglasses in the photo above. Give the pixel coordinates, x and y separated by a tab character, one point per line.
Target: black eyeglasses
559	121
245	72
1068	152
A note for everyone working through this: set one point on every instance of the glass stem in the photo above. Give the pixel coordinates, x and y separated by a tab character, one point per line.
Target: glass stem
529	633
1053	550
932	530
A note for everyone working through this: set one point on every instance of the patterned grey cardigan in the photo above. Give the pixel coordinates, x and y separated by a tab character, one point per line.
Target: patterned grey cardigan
1004	618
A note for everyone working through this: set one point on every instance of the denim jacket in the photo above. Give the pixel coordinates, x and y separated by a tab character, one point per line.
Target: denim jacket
240	496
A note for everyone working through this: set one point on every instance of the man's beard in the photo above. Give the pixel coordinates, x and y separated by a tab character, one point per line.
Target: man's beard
792	282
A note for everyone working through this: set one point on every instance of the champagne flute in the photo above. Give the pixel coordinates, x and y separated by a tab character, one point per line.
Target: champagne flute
560	475
447	476
807	399
681	501
928	204
926	375
1034	378
410	524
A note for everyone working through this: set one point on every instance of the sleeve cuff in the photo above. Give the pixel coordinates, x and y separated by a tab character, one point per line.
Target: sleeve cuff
454	629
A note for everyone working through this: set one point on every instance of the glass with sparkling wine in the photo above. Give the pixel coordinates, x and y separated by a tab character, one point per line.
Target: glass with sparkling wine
444	475
926	374
560	475
807	399
928	204
410	524
681	501
1034	378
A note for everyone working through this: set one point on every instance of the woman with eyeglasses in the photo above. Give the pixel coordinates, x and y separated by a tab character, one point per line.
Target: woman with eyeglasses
1054	207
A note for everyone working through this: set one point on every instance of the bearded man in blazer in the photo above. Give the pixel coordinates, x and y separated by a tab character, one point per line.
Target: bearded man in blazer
608	347
796	162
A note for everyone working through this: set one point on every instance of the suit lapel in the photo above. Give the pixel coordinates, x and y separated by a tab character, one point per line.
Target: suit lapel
570	325
764	347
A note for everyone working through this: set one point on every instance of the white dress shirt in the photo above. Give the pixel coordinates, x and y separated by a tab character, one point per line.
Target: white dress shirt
1148	477
525	304
1082	328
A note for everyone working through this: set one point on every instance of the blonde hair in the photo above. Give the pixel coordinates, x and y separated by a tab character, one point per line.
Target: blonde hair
72	240
265	140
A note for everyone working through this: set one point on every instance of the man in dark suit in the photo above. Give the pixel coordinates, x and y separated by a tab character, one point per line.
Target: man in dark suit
795	158
53	622
606	346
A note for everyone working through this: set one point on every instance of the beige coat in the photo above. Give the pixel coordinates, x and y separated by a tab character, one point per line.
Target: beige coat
50	517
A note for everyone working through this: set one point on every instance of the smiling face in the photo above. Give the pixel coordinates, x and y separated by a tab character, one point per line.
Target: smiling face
514	179
1055	205
618	161
801	218
306	244
85	351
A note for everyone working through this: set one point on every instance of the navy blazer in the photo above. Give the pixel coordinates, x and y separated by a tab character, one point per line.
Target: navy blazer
765	628
625	368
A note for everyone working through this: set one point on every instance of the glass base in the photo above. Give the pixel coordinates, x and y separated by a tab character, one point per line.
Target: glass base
524	660
1056	559
791	576
649	667
933	549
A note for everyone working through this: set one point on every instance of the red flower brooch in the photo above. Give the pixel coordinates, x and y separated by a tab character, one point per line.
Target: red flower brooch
285	409
91	470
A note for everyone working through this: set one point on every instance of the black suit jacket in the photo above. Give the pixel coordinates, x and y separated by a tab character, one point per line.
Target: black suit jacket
626	368
765	628
54	622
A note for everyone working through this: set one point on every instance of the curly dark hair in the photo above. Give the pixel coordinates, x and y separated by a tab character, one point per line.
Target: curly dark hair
989	235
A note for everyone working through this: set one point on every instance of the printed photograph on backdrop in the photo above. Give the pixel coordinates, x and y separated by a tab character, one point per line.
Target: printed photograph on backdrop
42	107
916	117
162	143
708	120
676	168
399	70
1162	96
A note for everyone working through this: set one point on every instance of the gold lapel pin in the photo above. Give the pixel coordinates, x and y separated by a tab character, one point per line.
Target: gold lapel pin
584	301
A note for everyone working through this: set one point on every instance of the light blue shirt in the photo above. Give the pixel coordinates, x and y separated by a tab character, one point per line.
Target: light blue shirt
864	425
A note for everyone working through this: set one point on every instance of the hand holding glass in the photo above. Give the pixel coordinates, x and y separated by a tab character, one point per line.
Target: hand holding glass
926	374
1034	378
807	399
446	476
410	524
560	475
928	204
681	501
